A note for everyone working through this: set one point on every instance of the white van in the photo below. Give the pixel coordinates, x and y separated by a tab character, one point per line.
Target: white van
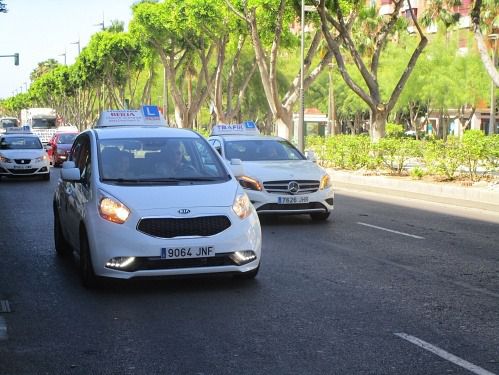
139	199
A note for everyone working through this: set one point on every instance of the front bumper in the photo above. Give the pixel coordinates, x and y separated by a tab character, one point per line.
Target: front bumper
32	169
108	240
269	203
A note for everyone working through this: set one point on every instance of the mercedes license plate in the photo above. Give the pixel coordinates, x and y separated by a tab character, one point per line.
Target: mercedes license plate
187	252
292	200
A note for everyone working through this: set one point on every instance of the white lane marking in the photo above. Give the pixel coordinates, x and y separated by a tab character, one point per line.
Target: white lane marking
445	355
3	329
391	230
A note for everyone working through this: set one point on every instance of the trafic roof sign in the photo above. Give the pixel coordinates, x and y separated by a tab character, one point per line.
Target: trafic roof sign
246	128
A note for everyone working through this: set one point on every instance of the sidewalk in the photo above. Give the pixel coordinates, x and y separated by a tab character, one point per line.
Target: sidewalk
484	196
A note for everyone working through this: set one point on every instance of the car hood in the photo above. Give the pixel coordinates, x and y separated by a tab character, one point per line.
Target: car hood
163	197
283	170
22	154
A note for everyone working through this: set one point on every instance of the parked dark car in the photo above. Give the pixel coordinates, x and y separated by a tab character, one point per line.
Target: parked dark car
59	147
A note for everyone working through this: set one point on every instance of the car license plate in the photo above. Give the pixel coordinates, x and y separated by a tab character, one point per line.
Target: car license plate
187	252
292	200
27	166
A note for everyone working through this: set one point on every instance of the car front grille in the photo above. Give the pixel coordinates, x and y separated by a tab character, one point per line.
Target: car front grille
23	171
22	161
174	227
282	187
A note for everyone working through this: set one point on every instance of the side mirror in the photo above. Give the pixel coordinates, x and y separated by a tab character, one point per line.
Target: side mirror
310	155
237	167
70	174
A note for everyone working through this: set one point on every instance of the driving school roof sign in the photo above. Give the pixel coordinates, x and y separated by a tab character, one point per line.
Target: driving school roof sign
246	128
147	115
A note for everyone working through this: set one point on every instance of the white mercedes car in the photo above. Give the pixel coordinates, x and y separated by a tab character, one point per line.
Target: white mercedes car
137	199
22	154
278	178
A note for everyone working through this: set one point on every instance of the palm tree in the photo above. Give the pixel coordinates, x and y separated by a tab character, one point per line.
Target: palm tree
42	68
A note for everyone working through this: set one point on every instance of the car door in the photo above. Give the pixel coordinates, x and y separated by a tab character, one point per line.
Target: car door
78	192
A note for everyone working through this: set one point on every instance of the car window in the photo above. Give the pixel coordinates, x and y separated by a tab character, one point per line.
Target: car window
66	138
148	159
80	155
261	150
20	143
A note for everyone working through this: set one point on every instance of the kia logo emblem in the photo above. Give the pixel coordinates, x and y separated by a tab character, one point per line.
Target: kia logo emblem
293	187
184	211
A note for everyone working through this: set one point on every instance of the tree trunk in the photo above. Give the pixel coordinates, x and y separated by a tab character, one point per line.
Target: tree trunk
284	125
379	119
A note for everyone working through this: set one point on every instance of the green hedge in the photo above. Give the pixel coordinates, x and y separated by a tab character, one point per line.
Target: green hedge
474	156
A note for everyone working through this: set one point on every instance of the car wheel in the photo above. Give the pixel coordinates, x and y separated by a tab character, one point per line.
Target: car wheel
62	247
248	275
87	274
319	216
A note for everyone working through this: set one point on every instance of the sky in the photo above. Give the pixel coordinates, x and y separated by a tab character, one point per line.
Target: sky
43	29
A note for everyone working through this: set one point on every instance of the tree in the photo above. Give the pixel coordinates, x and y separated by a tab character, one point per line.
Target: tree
341	18
170	29
3	7
486	23
42	68
268	24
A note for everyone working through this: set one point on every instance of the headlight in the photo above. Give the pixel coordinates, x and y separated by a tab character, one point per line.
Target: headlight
41	158
242	206
325	182
249	183
113	210
3	159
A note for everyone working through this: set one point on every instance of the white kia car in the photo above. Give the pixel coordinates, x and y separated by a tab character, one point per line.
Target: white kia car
278	178
22	154
138	199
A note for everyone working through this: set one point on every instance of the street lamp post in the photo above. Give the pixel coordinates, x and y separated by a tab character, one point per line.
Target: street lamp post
64	54
78	43
492	119
78	100
301	118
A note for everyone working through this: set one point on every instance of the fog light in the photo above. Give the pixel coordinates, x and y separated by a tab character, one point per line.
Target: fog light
119	262
243	257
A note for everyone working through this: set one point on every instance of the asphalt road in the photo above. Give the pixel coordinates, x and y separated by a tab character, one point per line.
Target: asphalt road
384	287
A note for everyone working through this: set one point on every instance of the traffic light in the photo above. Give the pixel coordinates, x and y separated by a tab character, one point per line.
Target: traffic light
16	59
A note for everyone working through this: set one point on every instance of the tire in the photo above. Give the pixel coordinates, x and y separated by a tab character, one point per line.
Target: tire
62	247
248	275
88	278
320	216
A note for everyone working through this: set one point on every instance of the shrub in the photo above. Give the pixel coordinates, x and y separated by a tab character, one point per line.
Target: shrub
417	173
442	158
474	152
396	152
394	130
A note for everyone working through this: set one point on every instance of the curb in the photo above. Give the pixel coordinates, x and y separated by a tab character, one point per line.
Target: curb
472	197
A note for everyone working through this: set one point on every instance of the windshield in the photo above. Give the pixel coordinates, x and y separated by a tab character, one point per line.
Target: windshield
261	149
66	138
20	143
8	123
43	123
168	160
